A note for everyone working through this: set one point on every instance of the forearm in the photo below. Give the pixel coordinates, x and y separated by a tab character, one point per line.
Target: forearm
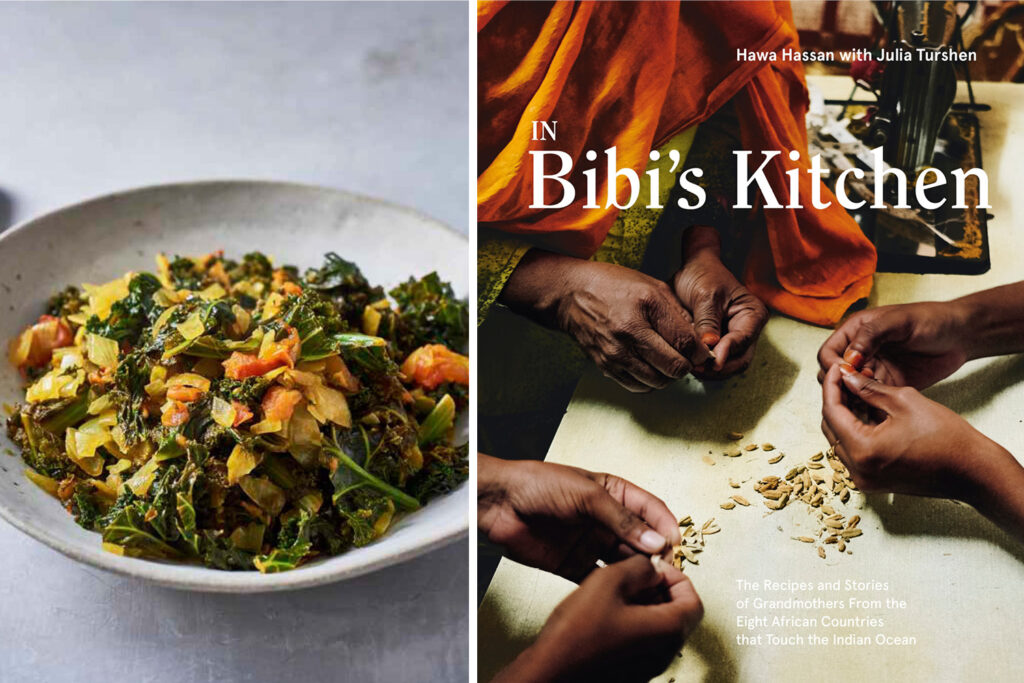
533	665
536	285
994	320
997	488
491	490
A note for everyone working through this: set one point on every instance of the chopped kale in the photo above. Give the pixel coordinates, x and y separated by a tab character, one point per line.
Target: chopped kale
248	391
130	382
284	557
185	274
86	507
344	283
68	302
41	449
130	530
429	313
446	468
220	553
228	442
254	266
130	316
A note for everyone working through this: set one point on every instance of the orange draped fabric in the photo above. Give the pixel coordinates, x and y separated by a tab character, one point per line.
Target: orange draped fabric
631	75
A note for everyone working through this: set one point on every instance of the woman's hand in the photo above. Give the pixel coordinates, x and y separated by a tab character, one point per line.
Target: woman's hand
630	324
919	447
913	345
727	317
915	446
563	519
624	623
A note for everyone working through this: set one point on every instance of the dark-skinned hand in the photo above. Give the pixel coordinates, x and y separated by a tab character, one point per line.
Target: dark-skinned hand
625	623
912	345
632	326
726	316
563	519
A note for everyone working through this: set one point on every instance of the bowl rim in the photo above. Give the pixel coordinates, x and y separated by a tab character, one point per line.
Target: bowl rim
219	581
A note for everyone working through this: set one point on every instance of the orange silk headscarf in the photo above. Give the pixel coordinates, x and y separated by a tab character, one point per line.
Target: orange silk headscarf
632	75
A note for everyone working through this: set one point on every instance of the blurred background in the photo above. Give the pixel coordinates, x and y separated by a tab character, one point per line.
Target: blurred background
995	29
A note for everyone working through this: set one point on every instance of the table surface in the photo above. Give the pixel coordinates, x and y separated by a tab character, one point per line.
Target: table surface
370	98
959	576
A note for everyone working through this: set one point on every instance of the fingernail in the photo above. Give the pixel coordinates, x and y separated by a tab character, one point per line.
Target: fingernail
854	357
710	339
847	369
652	541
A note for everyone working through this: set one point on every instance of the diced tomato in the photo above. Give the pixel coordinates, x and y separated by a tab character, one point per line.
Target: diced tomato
242	413
184	394
34	347
291	289
176	415
279	403
276	355
242	365
434	364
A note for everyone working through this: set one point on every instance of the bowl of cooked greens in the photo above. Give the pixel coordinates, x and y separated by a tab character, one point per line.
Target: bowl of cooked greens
235	386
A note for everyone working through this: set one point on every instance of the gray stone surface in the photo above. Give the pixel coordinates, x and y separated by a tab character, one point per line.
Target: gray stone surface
99	97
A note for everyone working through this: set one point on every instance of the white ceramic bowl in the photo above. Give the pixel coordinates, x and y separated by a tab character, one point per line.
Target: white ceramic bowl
100	239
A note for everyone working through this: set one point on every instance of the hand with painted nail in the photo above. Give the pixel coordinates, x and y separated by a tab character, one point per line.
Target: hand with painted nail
911	444
624	623
726	316
631	325
563	519
913	345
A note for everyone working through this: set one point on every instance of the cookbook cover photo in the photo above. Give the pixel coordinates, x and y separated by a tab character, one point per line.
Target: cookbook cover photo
750	324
